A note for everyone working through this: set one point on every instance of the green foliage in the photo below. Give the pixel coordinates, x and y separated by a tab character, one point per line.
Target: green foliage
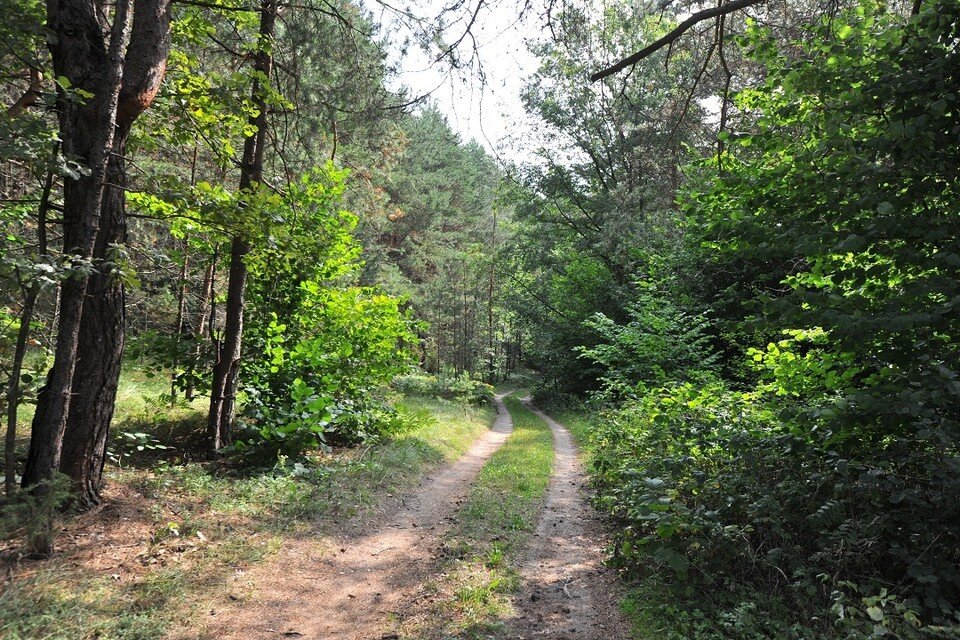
596	208
556	302
658	612
126	443
711	485
35	364
821	478
321	389
438	245
851	161
34	513
659	343
462	388
327	347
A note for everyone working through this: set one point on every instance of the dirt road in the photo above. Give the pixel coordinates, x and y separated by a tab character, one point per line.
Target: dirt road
348	589
567	591
352	588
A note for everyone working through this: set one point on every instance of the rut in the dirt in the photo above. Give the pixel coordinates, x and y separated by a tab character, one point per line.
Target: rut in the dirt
567	594
351	591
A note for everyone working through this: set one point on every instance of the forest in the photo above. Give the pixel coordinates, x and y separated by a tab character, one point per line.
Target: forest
285	354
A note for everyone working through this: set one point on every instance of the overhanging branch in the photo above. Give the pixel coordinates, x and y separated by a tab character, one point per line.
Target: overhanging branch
678	31
30	96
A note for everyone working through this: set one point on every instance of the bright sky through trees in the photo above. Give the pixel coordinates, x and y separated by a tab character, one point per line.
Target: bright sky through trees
482	101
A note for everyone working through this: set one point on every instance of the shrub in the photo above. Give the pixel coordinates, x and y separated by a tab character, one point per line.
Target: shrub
322	348
715	487
462	387
34	513
659	342
319	383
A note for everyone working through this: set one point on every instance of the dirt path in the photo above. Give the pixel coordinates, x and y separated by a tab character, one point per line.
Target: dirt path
350	589
567	592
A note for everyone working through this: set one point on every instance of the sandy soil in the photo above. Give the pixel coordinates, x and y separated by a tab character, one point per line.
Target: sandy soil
567	592
350	588
112	539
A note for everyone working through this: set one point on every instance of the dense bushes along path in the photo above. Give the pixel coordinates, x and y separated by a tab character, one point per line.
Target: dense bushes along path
369	585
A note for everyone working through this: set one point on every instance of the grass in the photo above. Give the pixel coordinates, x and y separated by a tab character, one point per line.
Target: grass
141	405
493	525
174	528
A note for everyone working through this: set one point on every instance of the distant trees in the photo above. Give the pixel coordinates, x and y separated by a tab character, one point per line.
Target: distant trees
447	221
598	208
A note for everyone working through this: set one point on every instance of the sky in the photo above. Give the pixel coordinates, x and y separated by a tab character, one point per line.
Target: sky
489	111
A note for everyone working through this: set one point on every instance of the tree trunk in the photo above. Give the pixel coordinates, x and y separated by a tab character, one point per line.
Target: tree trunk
226	371
97	372
81	385
180	324
491	282
20	350
87	132
13	391
223	393
206	297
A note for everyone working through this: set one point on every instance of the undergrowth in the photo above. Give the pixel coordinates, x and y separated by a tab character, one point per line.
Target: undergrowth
720	540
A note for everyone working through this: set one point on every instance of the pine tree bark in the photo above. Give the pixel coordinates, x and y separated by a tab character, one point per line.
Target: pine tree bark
226	371
87	131
74	409
100	351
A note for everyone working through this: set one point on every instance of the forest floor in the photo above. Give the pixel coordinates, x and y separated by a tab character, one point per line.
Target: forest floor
472	525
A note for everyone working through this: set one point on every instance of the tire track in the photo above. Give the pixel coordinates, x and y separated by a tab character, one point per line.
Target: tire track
352	591
567	591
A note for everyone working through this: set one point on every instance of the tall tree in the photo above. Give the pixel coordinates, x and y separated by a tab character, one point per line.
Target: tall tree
227	368
105	84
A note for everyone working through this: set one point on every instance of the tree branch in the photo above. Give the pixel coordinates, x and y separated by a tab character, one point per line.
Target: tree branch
29	97
146	62
680	29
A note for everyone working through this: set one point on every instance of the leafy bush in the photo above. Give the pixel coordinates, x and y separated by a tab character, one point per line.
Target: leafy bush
659	342
325	348
128	443
712	485
322	387
462	387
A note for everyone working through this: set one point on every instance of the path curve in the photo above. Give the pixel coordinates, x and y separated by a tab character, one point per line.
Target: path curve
567	591
351	591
